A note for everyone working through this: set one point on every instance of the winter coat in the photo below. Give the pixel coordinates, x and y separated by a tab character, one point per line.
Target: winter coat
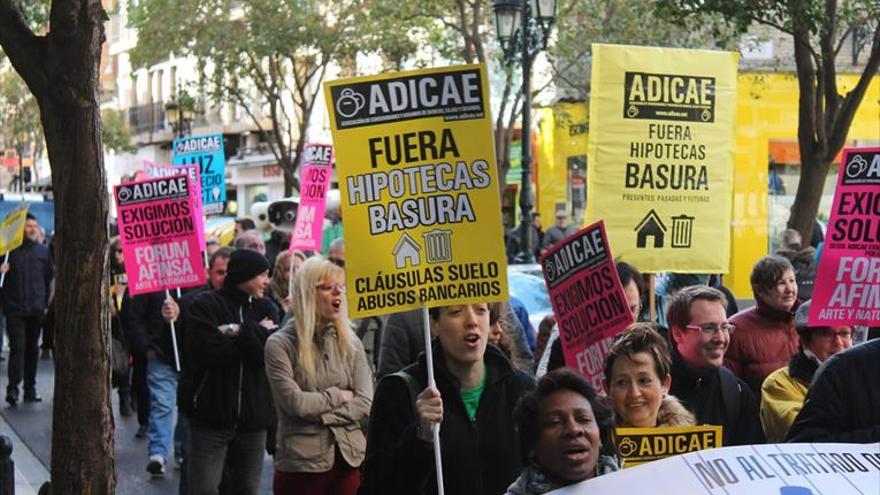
403	339
702	392
224	383
26	287
763	342
843	403
556	234
672	413
533	481
782	395
480	457
313	420
145	328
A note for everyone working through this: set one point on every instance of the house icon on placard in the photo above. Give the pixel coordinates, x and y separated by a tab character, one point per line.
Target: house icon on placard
650	226
405	250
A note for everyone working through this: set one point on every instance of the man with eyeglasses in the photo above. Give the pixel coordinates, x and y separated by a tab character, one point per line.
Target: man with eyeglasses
700	334
784	390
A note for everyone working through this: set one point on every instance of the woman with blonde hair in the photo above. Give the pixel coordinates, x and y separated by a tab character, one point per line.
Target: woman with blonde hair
322	387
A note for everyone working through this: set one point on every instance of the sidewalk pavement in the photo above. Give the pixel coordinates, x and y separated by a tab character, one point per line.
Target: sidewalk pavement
30	473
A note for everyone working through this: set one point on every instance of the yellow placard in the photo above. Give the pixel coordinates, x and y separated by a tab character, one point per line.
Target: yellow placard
419	189
640	445
12	229
661	154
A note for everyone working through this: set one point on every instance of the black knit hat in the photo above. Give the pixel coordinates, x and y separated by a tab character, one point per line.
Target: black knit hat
244	264
801	324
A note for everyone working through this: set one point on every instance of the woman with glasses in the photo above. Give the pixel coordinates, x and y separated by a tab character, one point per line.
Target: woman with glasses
783	392
322	387
765	337
637	380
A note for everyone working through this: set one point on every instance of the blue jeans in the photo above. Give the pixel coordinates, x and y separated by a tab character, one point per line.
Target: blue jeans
162	382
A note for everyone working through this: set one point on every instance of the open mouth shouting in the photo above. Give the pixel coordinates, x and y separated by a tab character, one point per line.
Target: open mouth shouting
576	453
472	340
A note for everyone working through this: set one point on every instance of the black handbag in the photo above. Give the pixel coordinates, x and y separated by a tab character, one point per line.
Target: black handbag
119	358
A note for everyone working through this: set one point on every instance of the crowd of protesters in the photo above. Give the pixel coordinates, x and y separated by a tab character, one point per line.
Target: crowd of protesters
270	364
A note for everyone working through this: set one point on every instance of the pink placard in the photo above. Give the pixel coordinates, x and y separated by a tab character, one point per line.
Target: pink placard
315	173
153	170
587	299
159	235
847	289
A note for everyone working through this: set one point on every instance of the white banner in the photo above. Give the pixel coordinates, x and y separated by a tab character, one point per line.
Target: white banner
777	469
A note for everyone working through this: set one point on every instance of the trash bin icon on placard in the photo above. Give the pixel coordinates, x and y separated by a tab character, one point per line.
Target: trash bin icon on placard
438	246
682	231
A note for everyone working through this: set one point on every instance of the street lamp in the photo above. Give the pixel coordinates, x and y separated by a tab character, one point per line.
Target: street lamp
179	116
523	28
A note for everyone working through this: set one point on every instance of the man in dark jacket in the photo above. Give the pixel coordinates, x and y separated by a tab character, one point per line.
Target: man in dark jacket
559	231
25	299
699	333
843	403
479	447
147	320
224	391
216	273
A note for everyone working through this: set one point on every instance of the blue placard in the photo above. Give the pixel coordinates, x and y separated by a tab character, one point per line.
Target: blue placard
207	152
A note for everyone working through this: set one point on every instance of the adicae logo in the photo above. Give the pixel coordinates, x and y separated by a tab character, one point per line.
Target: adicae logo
124	194
350	103
627	447
856	166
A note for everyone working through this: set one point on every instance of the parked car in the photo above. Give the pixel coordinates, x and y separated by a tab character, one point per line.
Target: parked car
526	282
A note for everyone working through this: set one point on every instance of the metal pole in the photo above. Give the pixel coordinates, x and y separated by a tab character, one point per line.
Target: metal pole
20	171
7	467
525	194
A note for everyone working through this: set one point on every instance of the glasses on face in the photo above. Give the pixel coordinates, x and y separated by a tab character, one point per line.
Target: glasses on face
338	262
331	287
831	334
712	328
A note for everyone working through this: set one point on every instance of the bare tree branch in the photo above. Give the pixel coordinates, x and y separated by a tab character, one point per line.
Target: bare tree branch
22	46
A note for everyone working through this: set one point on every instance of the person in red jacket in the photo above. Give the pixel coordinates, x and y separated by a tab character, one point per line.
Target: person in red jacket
765	336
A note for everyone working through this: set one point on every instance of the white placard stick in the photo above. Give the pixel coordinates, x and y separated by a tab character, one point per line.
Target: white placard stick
435	429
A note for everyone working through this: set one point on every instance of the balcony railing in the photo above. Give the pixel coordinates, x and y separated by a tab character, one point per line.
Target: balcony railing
147	118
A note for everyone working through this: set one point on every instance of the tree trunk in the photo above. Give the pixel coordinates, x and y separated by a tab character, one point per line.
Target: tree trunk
61	69
814	170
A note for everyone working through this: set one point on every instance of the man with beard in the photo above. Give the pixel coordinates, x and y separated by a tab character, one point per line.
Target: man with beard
700	334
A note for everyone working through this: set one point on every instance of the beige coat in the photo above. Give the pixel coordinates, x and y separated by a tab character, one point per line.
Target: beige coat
313	420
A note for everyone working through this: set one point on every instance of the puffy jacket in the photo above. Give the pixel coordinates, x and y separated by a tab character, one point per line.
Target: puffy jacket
702	392
782	395
764	341
223	384
313	421
480	457
26	287
843	403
